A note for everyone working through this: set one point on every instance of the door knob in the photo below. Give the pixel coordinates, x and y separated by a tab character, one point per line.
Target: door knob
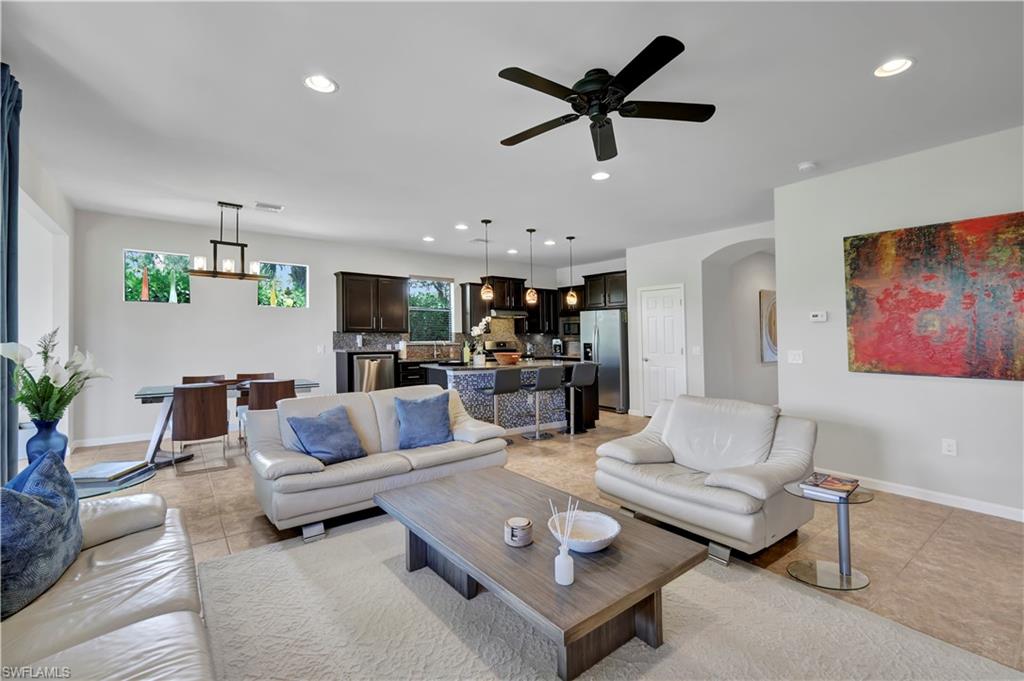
645	359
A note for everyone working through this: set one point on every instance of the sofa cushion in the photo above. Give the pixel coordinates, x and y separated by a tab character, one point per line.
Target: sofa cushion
680	482
109	586
170	647
344	473
107	518
360	414
435	455
41	533
387	417
328	436
708	434
423	422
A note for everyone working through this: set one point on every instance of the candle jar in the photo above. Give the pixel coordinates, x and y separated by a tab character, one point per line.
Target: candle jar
518	532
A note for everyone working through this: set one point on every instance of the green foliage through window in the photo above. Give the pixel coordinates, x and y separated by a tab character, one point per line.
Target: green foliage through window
430	310
285	285
151	277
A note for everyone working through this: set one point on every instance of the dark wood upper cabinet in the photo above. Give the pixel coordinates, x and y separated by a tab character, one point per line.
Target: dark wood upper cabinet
509	293
370	303
542	317
604	291
473	308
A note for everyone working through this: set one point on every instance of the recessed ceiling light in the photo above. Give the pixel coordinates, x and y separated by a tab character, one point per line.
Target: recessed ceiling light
462	226
894	67
511	251
320	83
428	238
600	176
806	166
549	242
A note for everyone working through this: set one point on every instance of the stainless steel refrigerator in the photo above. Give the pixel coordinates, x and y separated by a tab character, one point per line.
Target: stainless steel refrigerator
604	335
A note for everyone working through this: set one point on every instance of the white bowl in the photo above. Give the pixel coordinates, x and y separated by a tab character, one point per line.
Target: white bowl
590	531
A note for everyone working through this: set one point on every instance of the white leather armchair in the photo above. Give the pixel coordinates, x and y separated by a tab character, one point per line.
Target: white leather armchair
716	468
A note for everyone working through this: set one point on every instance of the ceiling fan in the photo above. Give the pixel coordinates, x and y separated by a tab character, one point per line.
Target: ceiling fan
599	93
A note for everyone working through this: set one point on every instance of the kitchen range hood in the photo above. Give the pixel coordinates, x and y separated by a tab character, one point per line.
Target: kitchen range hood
507	314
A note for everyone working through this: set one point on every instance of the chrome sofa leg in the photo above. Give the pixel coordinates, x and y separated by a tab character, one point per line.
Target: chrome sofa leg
718	553
313	532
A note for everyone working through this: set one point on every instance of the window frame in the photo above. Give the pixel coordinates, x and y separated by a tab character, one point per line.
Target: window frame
289	264
451	309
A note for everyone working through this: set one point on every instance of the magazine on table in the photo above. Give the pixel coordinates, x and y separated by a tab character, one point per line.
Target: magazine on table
830	485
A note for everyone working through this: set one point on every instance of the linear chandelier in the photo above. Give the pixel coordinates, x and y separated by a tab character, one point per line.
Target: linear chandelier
226	268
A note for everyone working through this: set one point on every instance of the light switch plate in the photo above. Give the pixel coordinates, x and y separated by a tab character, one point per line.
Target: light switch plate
795	356
820	316
949	446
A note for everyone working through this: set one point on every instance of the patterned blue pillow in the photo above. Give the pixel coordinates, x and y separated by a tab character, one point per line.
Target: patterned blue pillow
40	535
423	422
329	436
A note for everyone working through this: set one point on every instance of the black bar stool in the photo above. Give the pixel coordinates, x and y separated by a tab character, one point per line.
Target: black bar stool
506	382
583	375
548	379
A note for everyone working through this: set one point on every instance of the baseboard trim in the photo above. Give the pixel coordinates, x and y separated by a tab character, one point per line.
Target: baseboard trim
635	412
122	439
966	503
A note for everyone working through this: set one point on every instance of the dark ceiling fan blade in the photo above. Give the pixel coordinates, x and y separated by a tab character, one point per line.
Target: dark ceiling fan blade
651	59
532	80
604	139
538	129
669	111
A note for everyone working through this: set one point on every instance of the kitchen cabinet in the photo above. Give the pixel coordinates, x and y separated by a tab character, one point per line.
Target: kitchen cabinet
473	308
605	291
369	303
509	293
543	316
411	373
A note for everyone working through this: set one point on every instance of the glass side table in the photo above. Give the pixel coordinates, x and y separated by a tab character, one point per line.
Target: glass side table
839	576
96	489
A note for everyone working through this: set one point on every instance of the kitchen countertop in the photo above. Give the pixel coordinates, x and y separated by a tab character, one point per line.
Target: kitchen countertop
491	366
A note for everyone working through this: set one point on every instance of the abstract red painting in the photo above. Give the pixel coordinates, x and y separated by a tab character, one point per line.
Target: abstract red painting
938	300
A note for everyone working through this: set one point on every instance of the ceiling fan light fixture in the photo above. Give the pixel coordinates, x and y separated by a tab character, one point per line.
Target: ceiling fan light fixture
894	67
318	82
600	176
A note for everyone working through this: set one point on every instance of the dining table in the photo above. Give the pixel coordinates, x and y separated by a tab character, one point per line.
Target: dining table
164	396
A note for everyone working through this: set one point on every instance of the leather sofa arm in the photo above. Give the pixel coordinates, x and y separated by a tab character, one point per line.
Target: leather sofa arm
271	461
790	460
113	517
647	446
465	428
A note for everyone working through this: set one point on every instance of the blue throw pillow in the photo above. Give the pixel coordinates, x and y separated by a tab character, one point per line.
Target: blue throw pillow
423	422
329	436
40	535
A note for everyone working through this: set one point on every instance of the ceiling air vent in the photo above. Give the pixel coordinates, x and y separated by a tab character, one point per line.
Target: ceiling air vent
269	207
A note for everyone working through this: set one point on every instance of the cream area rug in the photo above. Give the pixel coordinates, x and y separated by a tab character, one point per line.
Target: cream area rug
345	608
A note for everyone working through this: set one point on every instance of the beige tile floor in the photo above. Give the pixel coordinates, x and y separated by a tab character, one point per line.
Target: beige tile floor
952	574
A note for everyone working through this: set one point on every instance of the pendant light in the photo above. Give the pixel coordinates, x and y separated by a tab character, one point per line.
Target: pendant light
571	298
531	293
226	268
486	292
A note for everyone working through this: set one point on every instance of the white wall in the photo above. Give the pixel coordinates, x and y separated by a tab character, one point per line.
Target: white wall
579	270
222	330
36	261
732	315
678	262
888	427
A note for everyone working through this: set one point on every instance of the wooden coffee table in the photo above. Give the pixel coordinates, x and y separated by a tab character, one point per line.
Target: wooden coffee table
455	526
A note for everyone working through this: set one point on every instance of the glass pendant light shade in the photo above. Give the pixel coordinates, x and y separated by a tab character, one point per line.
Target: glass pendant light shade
486	292
531	293
531	296
571	299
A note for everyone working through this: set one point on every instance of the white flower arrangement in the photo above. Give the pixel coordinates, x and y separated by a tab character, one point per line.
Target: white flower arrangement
477	333
47	396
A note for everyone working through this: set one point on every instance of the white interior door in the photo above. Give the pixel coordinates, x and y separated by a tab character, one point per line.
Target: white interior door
663	345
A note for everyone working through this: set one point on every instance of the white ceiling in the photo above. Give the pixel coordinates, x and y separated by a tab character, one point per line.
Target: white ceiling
162	109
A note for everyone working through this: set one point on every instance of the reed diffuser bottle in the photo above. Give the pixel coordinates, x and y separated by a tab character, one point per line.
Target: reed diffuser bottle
564	571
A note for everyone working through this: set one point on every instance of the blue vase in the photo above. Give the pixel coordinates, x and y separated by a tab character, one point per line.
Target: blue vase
46	439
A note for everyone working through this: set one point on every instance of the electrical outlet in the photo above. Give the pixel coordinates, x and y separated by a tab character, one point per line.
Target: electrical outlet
795	356
319	349
359	340
949	446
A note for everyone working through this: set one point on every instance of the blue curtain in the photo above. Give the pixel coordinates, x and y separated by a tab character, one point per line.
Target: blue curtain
10	122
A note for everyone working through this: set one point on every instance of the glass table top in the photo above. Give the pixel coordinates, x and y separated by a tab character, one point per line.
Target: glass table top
96	489
859	496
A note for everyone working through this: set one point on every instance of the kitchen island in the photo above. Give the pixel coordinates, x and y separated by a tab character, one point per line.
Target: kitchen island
516	409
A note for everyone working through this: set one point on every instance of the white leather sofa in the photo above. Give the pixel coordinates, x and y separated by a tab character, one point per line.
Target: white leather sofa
296	489
127	608
716	468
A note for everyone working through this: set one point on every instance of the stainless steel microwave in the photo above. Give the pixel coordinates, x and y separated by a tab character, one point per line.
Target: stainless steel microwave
571	328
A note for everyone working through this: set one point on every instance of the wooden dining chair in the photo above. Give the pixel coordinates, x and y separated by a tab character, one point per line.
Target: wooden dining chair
265	394
242	401
212	378
198	414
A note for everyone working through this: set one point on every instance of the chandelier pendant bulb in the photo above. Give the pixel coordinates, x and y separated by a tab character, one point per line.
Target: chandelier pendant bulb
571	298
486	291
531	293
